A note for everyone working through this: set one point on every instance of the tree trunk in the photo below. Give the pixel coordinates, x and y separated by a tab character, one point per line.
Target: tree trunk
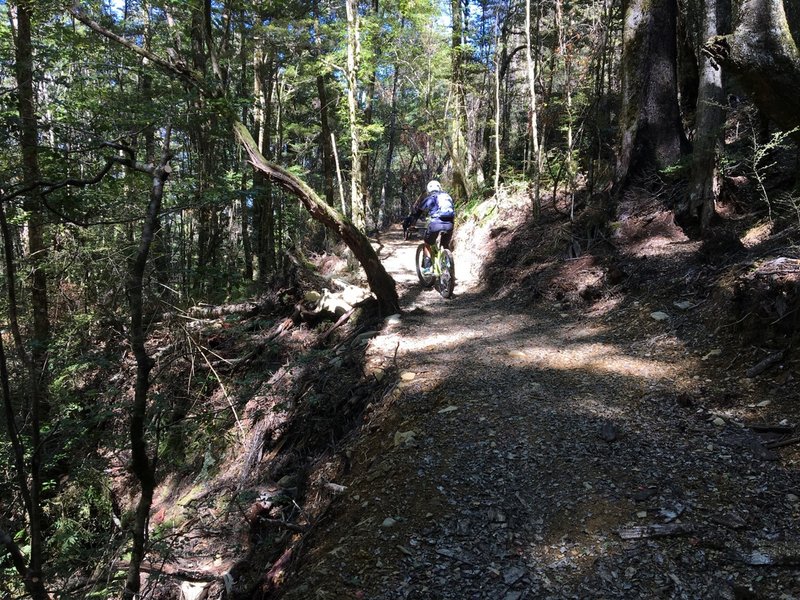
652	133
328	167
762	54
705	182
458	143
264	225
141	464
387	170
33	585
536	162
29	135
369	111
351	72
201	126
326	140
243	203
497	111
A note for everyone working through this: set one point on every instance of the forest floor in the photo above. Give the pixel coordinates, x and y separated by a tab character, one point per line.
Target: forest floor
536	447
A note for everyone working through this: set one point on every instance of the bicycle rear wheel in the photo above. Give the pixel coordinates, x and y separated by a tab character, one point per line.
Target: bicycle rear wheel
425	280
447	274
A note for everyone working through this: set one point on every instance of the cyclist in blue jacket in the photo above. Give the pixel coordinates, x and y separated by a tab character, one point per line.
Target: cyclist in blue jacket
438	205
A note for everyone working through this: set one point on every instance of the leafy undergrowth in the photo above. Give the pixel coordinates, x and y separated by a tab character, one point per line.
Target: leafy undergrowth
247	402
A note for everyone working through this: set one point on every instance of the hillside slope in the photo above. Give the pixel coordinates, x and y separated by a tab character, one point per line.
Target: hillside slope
556	434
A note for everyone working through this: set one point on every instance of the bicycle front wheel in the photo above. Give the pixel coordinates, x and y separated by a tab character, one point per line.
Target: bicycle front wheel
426	279
447	274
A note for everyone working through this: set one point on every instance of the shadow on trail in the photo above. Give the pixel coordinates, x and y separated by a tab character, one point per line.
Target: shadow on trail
540	431
518	471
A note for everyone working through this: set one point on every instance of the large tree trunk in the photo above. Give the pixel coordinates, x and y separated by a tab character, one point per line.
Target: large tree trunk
458	144
652	134
29	136
535	162
369	111
201	126
762	53
244	209
714	17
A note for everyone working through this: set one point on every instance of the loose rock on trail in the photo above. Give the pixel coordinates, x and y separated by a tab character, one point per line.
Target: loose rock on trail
550	452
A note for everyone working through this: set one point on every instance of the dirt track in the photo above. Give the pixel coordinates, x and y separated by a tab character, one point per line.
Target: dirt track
549	453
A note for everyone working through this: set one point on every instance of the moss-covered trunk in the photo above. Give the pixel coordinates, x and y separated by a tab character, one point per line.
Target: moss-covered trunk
652	133
762	54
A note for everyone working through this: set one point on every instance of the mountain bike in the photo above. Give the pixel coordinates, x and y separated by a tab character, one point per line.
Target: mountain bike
443	272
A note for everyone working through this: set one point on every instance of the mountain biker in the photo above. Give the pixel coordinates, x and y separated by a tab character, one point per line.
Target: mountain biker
438	205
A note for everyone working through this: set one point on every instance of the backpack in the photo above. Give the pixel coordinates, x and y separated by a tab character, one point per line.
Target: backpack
444	211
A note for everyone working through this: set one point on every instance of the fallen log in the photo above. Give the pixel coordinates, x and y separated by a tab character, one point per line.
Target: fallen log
770	361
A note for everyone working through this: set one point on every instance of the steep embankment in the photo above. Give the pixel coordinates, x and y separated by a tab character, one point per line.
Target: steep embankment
553	449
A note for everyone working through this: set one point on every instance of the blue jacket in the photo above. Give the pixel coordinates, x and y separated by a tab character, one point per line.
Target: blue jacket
438	206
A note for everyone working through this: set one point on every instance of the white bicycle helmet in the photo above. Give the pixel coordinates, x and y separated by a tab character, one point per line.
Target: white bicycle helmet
433	186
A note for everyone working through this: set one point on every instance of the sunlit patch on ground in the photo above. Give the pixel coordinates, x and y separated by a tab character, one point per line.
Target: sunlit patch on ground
592	359
757	234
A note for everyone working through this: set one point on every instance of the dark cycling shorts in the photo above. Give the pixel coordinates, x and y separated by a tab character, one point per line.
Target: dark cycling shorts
437	227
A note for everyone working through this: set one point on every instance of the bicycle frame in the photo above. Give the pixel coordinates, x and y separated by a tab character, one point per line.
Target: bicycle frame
442	268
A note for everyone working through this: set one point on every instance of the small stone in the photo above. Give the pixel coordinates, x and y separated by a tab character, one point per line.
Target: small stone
512	575
287	481
365	337
719	421
642	514
393	320
407	376
712	353
517	354
448	409
405	438
683	305
388	522
764	403
659	315
792	498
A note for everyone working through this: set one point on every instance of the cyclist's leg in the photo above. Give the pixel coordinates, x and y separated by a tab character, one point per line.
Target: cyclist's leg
430	239
447	237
